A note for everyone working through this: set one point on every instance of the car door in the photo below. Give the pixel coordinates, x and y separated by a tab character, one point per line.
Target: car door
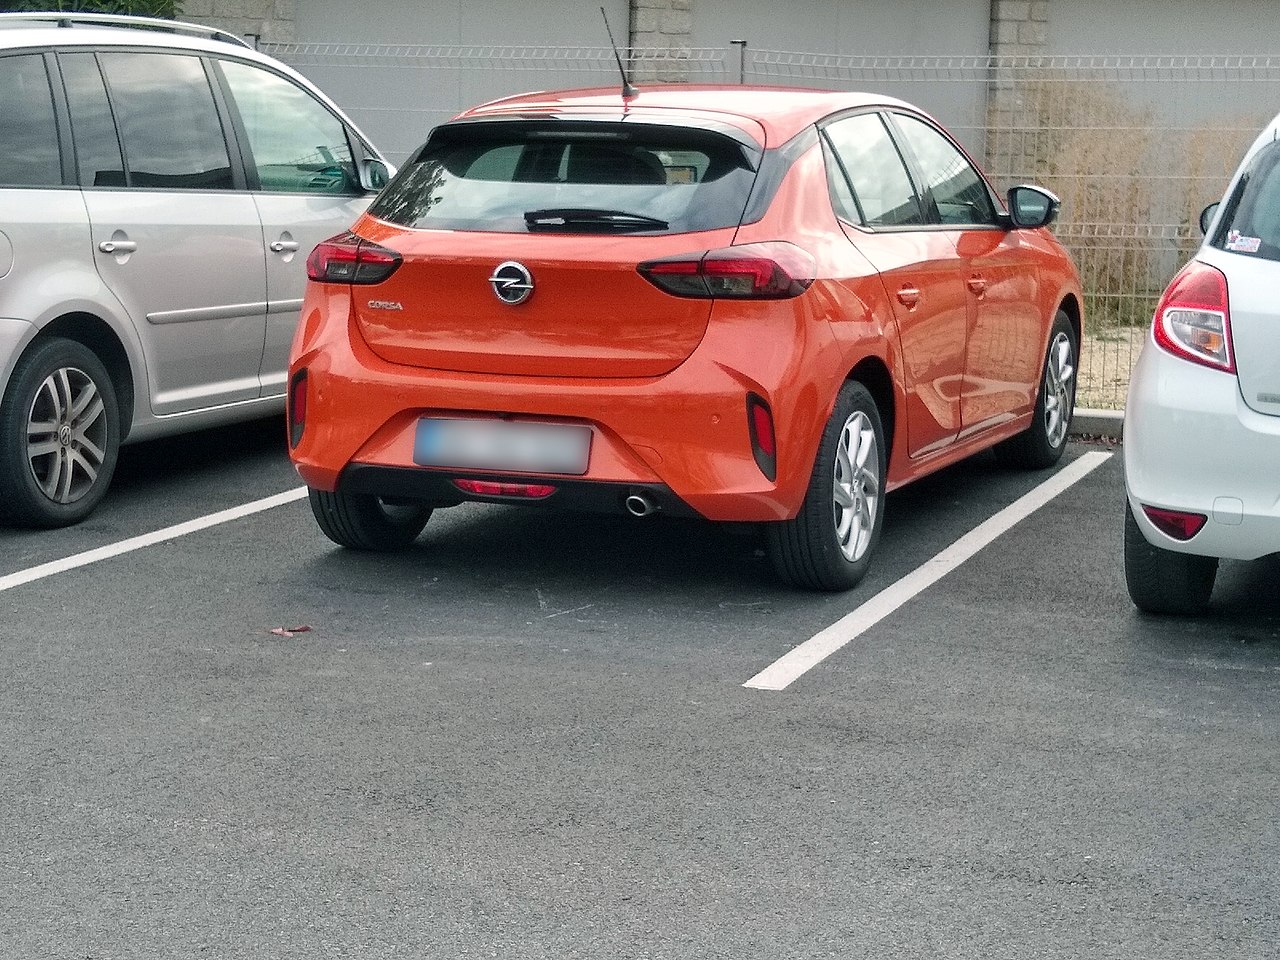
884	217
175	234
298	158
1006	331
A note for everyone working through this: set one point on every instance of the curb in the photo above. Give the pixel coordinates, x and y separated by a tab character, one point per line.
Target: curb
1097	423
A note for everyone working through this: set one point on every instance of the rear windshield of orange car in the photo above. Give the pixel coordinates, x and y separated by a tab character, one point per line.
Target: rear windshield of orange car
584	178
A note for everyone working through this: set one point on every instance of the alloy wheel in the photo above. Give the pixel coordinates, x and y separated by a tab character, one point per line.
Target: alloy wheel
1059	387
856	491
66	435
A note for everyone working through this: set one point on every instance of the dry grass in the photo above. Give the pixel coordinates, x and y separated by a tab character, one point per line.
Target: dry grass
1106	360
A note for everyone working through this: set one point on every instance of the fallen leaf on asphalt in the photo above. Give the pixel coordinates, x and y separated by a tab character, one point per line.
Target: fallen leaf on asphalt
290	631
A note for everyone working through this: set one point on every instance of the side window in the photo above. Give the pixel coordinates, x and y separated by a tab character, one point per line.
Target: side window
875	170
98	159
29	154
298	145
1250	224
958	190
168	122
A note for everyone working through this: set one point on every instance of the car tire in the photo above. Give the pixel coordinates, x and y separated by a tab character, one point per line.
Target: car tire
59	435
1041	444
1164	581
830	542
365	522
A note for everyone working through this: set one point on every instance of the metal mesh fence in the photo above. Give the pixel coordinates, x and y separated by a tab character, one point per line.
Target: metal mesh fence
1134	146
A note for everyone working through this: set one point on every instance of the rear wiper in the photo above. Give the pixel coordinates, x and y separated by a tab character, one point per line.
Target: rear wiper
590	219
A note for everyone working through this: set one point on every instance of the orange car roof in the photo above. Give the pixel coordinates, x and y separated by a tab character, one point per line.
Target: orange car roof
781	111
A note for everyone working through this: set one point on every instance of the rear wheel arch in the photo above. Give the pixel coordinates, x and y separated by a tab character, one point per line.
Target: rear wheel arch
1071	307
873	373
97	335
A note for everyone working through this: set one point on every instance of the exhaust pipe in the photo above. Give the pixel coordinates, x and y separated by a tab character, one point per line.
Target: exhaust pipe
639	505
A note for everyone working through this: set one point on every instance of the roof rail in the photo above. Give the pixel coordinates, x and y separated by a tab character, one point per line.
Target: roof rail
75	19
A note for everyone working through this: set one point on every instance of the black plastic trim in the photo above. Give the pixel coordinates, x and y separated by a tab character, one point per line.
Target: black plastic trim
436	488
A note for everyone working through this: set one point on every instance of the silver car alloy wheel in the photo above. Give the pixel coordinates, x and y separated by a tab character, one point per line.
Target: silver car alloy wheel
856	491
66	435
1059	388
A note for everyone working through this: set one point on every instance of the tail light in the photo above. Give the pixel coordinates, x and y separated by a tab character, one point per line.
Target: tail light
297	404
764	441
347	258
1192	320
754	271
1175	523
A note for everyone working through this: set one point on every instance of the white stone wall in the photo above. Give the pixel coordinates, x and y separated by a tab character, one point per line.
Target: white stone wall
1019	28
269	20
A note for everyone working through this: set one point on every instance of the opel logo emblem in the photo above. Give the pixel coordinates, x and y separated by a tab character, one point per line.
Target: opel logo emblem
512	282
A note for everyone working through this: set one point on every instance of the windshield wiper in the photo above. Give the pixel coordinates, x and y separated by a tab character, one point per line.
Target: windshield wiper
589	219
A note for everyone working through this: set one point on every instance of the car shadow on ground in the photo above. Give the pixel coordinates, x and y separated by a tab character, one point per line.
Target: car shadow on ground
482	545
209	452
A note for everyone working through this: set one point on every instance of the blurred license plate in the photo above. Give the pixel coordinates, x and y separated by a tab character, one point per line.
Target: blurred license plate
502	445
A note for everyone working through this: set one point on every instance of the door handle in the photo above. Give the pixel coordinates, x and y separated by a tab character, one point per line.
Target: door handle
117	246
978	286
909	297
283	246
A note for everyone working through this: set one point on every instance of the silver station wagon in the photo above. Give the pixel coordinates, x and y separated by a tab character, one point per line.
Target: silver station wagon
161	185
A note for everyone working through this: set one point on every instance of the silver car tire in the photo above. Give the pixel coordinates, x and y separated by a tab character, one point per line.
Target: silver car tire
830	542
59	435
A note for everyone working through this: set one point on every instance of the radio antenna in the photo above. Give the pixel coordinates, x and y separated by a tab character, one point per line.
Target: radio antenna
628	91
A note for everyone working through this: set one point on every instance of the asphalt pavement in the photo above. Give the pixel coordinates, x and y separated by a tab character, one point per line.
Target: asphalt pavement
529	736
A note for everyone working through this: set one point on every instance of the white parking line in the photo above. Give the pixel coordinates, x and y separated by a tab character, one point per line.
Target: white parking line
148	539
790	667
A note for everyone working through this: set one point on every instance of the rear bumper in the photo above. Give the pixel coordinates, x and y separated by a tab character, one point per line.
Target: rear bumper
1191	444
683	436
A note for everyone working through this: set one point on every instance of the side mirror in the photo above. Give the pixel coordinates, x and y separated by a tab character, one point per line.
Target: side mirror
374	174
1031	207
1207	215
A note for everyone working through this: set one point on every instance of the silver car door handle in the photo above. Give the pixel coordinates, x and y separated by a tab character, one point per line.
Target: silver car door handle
117	246
284	246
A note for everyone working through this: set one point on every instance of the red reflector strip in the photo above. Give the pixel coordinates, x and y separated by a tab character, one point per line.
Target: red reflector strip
489	488
297	407
1176	523
763	424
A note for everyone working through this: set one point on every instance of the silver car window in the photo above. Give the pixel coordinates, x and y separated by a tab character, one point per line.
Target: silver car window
168	122
298	145
29	143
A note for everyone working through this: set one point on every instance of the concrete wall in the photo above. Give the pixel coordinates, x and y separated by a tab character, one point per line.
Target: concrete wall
269	20
1184	27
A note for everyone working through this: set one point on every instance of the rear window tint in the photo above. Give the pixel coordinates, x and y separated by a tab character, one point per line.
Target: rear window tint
28	134
1250	224
652	179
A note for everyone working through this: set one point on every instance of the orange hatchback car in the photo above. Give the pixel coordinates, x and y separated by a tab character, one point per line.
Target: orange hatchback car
754	305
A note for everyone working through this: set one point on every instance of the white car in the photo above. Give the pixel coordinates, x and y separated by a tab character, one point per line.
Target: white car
1202	423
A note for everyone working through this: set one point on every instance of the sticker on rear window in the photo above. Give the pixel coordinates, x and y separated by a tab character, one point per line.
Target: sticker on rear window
1242	244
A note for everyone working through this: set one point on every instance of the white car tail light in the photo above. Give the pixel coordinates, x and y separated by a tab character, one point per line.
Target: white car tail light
1192	320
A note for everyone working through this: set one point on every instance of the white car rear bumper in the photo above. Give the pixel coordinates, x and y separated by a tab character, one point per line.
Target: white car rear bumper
1191	444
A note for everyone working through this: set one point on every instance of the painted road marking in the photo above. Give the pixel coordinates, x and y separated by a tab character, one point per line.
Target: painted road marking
793	665
148	539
